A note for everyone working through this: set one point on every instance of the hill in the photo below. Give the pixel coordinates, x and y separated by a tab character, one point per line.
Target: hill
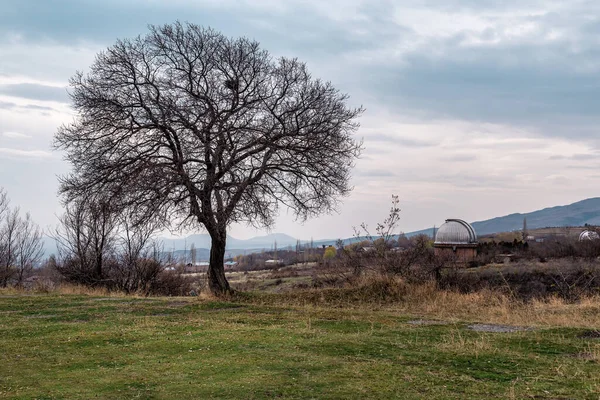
202	241
576	214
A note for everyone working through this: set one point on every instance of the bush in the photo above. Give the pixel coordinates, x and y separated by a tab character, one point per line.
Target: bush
171	283
569	280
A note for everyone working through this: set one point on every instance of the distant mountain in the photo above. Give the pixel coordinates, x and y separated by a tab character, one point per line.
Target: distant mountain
576	214
263	242
202	241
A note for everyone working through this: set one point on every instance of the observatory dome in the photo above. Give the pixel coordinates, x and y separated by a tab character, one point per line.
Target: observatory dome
456	232
588	235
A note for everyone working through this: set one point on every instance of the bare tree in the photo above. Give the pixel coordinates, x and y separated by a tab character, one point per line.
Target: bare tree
4	202
29	247
385	230
210	131
8	245
85	238
21	245
5	247
137	256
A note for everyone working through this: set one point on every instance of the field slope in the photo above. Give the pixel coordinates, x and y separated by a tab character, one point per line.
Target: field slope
55	347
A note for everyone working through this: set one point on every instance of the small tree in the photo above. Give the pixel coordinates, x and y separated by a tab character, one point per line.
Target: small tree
3	203
209	130
21	244
9	231
384	230
86	238
137	260
329	253
28	247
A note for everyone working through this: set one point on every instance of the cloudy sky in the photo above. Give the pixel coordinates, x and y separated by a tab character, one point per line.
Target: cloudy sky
474	108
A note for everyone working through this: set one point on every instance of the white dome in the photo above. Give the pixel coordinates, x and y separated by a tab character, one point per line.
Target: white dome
456	231
589	235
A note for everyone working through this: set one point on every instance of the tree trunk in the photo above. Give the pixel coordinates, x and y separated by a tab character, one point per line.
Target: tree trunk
216	270
98	266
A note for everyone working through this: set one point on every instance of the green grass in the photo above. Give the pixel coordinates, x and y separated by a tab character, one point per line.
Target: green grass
65	347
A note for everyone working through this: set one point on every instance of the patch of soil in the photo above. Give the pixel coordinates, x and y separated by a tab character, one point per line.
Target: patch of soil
220	309
106	299
591	334
426	322
497	328
178	303
586	356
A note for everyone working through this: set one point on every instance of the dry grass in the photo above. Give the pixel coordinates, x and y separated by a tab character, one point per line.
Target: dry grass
48	287
75	289
427	300
395	296
457	342
490	306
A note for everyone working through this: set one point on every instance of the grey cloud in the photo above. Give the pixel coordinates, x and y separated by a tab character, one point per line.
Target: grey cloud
10	152
576	157
477	5
5	105
36	92
375	173
466	180
375	152
483	91
459	158
296	24
587	167
531	82
585	157
406	142
548	86
15	135
36	107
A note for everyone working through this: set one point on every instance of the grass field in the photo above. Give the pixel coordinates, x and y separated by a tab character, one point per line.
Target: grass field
80	346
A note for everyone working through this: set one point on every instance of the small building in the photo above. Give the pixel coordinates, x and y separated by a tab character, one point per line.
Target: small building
366	249
588	235
198	267
229	264
456	239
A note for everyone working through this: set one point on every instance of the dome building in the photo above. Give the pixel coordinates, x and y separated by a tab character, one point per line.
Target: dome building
456	238
588	235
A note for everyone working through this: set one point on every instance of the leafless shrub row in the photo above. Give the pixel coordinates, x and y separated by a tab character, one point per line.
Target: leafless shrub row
100	246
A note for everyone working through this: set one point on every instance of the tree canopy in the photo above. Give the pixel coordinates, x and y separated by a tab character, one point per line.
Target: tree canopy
207	130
